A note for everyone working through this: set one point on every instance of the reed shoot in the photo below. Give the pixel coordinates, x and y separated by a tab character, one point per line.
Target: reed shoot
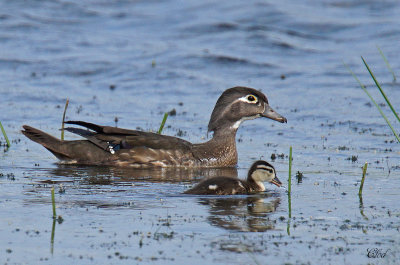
380	89
63	120
53	203
387	63
373	101
5	135
362	179
163	123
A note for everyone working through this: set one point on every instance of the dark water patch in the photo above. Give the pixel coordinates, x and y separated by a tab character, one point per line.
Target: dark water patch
52	20
211	28
58	14
388	33
371	5
233	61
13	63
86	69
4	16
284	45
84	73
224	59
322	28
287	31
20	26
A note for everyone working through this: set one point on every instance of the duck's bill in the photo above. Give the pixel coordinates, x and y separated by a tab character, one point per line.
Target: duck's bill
276	181
273	115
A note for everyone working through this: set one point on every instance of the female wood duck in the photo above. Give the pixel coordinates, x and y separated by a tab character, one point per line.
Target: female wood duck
261	171
105	145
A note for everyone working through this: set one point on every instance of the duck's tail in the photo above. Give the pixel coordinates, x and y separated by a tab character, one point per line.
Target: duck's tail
51	143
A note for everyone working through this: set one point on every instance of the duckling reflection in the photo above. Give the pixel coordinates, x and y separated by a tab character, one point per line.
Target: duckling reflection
245	214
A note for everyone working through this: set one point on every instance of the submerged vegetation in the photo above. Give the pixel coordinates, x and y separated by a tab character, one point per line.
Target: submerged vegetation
364	172
362	179
290	171
289	191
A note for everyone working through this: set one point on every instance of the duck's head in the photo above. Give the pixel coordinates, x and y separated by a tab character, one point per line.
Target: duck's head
238	104
262	171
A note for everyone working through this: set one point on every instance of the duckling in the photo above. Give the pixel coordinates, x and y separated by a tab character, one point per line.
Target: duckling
105	145
261	171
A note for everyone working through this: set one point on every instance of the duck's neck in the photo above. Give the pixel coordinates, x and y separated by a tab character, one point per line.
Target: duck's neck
220	150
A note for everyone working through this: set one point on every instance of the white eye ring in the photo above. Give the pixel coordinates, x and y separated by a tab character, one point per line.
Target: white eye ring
249	99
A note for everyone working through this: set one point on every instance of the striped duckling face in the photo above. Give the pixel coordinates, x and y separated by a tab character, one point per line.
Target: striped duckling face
262	171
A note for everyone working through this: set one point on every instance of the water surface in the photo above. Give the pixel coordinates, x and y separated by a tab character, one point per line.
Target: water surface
137	60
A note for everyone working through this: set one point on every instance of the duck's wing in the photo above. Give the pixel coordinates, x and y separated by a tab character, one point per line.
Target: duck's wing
117	138
104	129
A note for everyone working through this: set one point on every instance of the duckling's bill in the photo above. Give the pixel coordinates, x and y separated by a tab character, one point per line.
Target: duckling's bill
276	181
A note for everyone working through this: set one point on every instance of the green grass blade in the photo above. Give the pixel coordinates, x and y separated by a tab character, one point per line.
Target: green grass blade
290	171
53	231
163	123
63	120
288	227
380	89
5	135
53	203
387	63
373	101
289	191
362	179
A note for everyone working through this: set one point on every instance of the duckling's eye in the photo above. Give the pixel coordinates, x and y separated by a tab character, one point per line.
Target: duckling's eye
251	99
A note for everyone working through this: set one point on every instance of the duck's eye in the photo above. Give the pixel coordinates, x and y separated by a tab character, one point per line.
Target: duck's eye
251	98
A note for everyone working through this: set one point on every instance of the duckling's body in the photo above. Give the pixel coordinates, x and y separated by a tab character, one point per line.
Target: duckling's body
259	172
105	145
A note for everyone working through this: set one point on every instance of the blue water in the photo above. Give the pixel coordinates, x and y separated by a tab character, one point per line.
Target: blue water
135	60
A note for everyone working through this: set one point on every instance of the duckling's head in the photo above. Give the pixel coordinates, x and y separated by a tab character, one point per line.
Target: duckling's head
262	171
238	104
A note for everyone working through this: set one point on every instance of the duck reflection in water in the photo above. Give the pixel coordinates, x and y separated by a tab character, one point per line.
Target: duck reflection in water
110	175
